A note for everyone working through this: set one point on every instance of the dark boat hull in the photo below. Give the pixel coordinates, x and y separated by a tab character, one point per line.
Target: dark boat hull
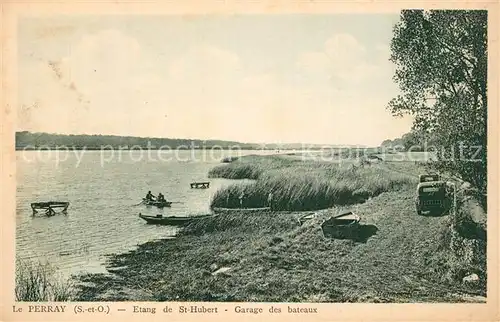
219	210
157	204
344	226
49	207
171	220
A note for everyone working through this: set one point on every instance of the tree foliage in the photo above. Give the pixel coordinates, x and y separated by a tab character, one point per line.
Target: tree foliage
441	69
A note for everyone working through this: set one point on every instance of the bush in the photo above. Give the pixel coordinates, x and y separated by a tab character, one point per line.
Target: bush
36	282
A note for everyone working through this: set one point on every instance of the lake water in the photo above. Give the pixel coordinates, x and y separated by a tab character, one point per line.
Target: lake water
102	190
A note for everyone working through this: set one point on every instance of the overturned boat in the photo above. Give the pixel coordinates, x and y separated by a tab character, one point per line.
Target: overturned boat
171	220
342	226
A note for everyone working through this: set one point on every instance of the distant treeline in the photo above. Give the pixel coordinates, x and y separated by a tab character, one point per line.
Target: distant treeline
91	142
29	140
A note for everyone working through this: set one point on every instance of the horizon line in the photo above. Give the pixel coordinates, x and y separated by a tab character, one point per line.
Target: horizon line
194	139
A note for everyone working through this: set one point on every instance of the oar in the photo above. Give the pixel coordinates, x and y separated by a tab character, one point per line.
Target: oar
176	201
138	203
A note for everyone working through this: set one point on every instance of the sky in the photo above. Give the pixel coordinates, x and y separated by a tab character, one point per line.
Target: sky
323	79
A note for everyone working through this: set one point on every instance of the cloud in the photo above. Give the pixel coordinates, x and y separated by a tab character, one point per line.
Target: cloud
384	51
103	85
107	83
54	31
103	57
342	48
207	61
342	59
314	62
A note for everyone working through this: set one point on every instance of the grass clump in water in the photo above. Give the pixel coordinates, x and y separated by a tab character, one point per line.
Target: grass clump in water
307	185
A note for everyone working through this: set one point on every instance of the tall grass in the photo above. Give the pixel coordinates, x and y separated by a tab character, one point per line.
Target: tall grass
306	185
250	167
37	281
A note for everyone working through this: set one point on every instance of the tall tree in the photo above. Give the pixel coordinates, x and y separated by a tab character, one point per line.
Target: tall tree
441	69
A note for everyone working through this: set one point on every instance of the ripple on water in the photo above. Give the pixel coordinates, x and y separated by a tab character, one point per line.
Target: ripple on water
101	218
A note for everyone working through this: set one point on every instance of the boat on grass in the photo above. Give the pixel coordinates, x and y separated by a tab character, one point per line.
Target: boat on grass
305	218
229	159
342	226
219	210
159	204
171	220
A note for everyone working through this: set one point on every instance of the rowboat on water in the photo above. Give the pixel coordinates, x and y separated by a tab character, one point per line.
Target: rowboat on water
171	220
49	207
199	185
219	210
159	204
344	225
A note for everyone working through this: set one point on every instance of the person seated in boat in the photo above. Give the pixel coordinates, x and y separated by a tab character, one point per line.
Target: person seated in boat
150	196
161	197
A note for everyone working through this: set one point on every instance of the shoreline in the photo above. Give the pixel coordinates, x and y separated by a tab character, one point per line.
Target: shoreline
273	261
270	257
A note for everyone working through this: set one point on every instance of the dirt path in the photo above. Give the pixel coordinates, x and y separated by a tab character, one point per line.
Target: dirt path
395	260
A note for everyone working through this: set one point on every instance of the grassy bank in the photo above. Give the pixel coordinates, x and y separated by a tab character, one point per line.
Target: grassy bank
37	281
399	257
303	185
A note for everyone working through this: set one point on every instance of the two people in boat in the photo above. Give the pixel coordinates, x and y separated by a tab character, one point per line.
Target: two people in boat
151	197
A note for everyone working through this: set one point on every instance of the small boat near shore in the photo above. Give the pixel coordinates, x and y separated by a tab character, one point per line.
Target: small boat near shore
229	159
219	210
171	220
200	185
342	226
159	204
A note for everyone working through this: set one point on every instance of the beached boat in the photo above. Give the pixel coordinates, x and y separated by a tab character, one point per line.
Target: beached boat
305	218
219	210
171	220
229	159
49	207
159	204
344	225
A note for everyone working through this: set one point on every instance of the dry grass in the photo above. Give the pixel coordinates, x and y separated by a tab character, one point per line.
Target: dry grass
400	257
37	281
301	185
273	258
